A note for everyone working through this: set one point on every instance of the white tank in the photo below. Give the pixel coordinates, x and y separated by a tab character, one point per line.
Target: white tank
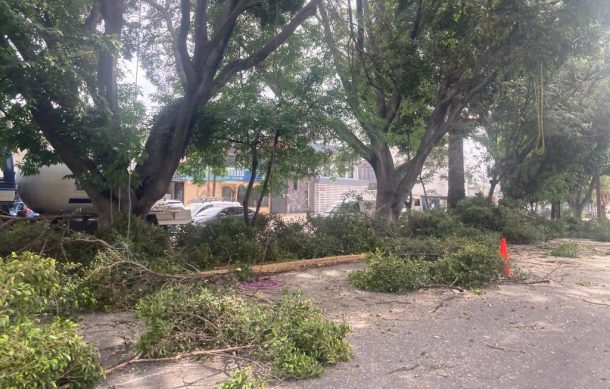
51	192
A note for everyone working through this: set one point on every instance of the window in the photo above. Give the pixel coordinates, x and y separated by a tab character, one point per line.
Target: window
230	160
179	191
295	185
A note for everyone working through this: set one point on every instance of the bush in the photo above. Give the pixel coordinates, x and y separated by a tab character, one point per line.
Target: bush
565	249
52	354
477	212
290	334
145	240
433	223
37	349
226	241
426	248
471	266
390	273
593	229
118	282
470	263
344	233
243	379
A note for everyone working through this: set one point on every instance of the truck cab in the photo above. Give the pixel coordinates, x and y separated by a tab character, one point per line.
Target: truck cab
7	182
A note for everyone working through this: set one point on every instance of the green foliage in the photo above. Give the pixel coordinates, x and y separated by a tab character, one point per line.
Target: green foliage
243	378
146	240
118	281
391	273
291	334
37	350
345	233
565	249
477	212
594	229
470	263
432	223
225	241
427	248
52	354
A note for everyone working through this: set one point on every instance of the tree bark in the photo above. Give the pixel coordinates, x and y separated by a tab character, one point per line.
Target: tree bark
456	190
493	182
253	172
556	210
267	179
601	208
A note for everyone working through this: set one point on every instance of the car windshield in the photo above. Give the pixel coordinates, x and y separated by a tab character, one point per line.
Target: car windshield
210	212
195	208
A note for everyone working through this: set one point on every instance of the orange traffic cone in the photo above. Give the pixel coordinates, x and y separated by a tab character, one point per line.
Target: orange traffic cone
508	272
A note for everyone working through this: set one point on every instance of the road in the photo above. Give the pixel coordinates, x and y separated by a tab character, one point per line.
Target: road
543	335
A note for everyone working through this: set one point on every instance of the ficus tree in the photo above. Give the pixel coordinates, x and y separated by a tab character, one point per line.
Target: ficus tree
576	137
270	119
409	68
61	81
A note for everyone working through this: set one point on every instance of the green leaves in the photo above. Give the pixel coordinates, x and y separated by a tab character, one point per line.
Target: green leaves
35	351
292	335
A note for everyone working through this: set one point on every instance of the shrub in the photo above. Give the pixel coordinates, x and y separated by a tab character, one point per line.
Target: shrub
390	273
565	249
470	263
145	240
426	248
433	223
593	229
33	354
477	212
118	282
471	266
290	334
37	349
344	233
243	379
227	240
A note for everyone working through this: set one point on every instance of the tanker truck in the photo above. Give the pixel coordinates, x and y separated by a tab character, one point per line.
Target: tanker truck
53	192
7	183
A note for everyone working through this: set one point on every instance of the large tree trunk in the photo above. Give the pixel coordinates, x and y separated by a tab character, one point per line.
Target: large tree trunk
601	207
556	210
390	197
493	182
456	190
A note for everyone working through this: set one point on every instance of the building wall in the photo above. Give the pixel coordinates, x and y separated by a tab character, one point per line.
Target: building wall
327	191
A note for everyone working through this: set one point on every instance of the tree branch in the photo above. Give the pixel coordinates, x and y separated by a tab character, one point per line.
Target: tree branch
242	64
174	37
181	42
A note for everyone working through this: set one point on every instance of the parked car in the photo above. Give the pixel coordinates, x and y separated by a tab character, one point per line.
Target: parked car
197	208
169	212
213	214
366	207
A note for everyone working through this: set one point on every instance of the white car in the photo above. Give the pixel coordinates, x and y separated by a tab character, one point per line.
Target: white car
169	212
198	208
215	213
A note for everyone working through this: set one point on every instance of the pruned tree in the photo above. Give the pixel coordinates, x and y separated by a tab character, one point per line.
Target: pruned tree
410	67
63	75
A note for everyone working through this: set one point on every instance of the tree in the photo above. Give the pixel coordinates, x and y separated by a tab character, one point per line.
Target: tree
63	76
270	120
576	137
409	68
